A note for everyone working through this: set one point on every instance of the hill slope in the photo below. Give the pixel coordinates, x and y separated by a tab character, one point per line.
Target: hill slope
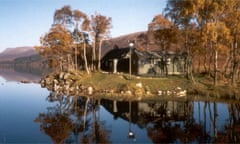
122	41
12	53
142	42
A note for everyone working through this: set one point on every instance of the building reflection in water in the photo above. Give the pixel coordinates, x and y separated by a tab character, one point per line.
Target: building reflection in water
75	119
162	119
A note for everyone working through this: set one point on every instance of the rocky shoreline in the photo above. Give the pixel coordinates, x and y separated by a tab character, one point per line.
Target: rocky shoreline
69	83
66	83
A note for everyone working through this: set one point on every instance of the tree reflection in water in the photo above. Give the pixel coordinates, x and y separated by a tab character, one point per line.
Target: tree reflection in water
232	130
57	126
76	119
170	121
73	119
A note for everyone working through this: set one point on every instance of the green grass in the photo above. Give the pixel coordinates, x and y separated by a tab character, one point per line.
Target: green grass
119	81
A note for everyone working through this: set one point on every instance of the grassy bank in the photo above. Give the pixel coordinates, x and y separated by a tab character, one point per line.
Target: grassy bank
120	84
113	81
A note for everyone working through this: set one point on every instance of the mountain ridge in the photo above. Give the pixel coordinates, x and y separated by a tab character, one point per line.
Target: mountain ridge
140	38
9	54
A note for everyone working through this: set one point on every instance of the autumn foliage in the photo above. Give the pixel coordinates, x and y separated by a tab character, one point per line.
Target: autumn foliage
68	44
206	30
216	23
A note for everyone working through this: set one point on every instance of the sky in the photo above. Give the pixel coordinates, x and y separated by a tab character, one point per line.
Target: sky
23	22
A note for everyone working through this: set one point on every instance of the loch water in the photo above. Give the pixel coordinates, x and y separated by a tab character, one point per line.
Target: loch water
32	114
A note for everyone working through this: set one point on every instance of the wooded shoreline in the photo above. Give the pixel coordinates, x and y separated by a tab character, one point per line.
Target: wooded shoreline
118	86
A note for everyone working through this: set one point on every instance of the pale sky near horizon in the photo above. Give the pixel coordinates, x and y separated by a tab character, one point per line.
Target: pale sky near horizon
23	22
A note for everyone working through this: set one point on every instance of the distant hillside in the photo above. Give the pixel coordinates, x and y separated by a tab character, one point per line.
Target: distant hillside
12	53
122	41
10	74
143	41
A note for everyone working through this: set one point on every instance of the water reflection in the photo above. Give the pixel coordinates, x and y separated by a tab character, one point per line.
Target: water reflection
73	119
25	74
77	119
81	119
12	75
231	131
164	121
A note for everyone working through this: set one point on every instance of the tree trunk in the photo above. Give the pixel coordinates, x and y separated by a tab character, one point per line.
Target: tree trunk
215	120
84	54
85	113
61	65
166	68
199	64
205	62
227	65
99	54
235	65
85	58
69	64
192	62
76	61
210	60
94	55
215	67
190	70
188	54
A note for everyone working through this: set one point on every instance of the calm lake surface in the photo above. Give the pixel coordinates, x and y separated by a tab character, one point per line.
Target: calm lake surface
31	114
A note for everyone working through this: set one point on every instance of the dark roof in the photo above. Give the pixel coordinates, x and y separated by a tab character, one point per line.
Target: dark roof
122	53
117	53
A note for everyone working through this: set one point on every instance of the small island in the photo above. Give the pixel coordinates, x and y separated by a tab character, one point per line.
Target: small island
169	61
119	86
137	72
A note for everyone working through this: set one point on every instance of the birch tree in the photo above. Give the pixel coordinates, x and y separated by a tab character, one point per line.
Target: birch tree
218	34
164	33
56	45
232	20
81	24
182	13
75	26
101	26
